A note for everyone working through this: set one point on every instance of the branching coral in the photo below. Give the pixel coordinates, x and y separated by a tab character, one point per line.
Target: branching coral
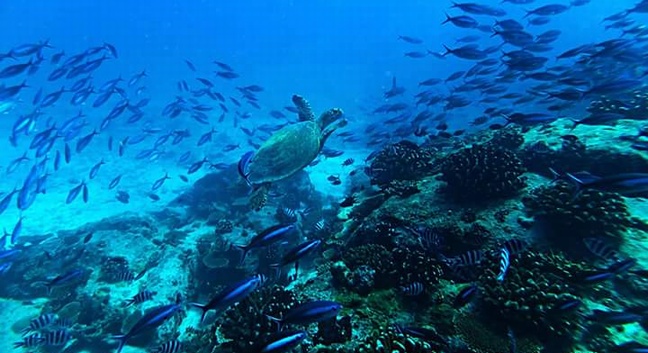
482	172
481	338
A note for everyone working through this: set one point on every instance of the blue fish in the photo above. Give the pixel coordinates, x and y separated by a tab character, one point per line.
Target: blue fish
231	295
149	321
281	342
158	183
6	200
309	312
75	191
465	296
114	182
16	231
627	184
268	237
207	137
243	165
95	169
297	253
84	141
65	279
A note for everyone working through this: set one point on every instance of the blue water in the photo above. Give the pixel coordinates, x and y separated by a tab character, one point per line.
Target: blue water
336	53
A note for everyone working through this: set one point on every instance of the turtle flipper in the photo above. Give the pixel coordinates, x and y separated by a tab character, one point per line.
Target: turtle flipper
303	108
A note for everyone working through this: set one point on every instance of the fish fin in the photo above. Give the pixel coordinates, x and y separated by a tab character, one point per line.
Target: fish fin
244	250
577	182
203	308
122	341
448	50
556	175
278	321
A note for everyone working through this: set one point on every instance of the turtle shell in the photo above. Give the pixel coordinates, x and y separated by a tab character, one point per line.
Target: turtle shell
286	152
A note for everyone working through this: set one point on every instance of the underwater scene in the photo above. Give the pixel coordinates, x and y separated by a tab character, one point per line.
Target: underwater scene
324	176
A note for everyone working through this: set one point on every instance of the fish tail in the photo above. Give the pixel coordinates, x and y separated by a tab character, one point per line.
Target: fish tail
203	308
122	341
555	174
447	19
276	320
244	250
448	50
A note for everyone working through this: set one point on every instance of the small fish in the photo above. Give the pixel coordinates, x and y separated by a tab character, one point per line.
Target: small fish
281	342
174	346
411	40
74	192
57	338
601	248
504	264
40	323
149	321
158	183
87	238
231	295
347	162
113	183
125	276
65	279
95	169
196	166
469	258
266	238
320	225
348	201
515	246
140	297
123	197
307	313
412	289
31	341
465	296
614	317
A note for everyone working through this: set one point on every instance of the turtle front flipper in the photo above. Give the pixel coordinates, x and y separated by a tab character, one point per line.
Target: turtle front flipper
303	108
259	196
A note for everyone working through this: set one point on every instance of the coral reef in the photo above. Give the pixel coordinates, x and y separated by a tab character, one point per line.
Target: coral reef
535	284
404	160
246	323
569	217
482	172
387	340
633	106
480	337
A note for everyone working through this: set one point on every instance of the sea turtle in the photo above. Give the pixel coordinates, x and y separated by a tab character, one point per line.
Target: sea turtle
291	148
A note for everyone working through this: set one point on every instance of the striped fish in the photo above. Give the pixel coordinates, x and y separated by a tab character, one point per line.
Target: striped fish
174	346
140	297
57	338
289	212
413	289
29	341
504	264
126	276
39	323
601	248
320	225
515	246
469	258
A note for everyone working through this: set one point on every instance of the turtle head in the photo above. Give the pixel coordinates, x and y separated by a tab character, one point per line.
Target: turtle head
327	129
329	117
